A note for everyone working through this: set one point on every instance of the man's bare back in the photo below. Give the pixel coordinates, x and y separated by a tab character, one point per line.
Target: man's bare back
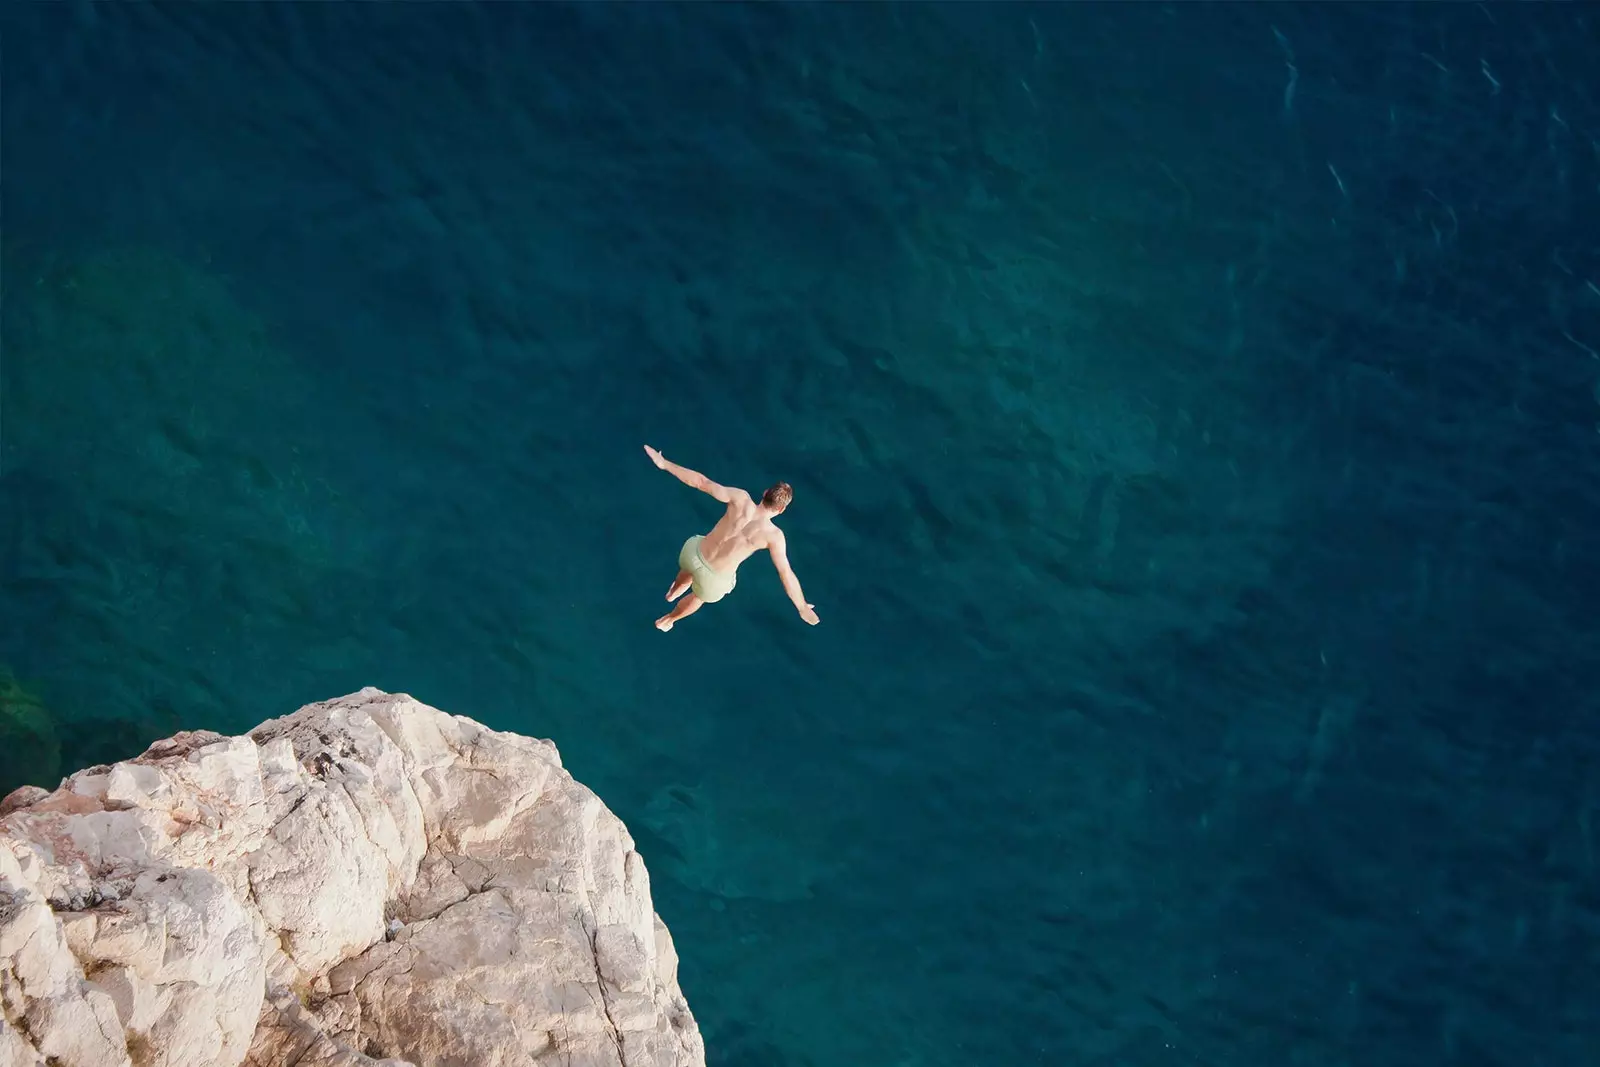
744	529
710	564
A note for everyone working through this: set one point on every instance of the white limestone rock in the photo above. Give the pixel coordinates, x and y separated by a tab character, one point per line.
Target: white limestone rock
366	878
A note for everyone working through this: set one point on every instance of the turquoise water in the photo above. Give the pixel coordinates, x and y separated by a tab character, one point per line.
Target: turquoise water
1192	413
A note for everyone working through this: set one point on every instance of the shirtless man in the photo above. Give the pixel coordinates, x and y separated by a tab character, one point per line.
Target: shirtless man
709	562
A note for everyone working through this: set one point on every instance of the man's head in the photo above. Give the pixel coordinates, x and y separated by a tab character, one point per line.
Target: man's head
777	498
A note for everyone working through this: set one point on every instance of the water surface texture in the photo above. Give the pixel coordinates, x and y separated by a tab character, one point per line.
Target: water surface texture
1192	412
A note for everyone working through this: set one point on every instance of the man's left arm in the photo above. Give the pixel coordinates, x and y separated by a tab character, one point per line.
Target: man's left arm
692	478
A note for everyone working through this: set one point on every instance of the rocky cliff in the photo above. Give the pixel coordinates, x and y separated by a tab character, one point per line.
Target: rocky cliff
367	881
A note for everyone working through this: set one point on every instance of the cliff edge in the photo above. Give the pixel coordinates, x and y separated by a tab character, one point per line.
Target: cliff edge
368	881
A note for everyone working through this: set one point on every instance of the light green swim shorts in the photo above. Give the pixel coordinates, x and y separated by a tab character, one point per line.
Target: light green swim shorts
709	585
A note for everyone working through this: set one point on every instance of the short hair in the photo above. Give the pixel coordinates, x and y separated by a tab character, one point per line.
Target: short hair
778	496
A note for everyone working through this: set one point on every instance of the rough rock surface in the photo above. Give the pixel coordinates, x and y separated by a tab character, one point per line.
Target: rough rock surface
366	878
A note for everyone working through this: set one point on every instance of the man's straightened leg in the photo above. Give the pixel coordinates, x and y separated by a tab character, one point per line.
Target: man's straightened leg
681	610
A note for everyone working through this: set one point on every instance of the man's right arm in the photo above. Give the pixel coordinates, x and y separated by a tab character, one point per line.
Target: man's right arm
778	549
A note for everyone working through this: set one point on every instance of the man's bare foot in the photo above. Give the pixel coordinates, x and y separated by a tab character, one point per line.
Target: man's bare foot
664	623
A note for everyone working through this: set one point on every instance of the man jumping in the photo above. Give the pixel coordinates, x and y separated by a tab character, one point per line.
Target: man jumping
710	562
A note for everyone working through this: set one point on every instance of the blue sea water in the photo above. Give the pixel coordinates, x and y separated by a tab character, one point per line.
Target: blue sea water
1193	413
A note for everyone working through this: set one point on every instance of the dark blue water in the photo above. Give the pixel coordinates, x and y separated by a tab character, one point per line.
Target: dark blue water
1192	413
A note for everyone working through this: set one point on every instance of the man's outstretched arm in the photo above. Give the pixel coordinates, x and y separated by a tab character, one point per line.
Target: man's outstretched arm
693	479
777	548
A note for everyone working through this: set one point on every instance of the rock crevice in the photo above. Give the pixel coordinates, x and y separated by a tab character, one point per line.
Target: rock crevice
368	881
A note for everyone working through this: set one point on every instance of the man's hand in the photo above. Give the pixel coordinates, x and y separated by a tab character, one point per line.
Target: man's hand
810	616
656	457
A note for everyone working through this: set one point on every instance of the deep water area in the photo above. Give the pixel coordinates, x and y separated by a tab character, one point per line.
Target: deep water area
1193	413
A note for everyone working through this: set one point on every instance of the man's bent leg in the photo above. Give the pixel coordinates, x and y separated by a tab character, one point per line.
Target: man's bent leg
681	610
679	584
